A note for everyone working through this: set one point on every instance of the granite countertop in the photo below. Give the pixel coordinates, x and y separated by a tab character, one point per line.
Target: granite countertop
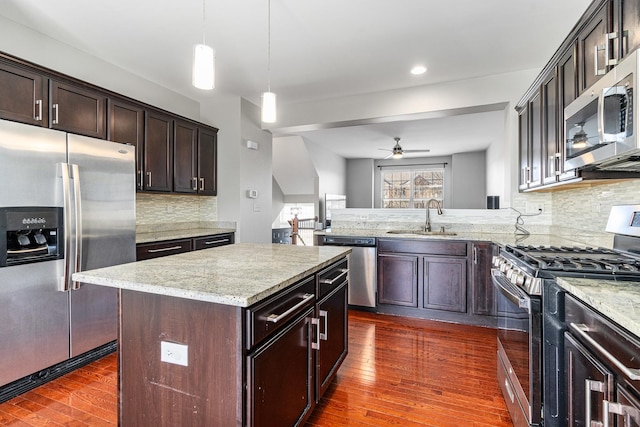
498	238
157	236
618	300
239	275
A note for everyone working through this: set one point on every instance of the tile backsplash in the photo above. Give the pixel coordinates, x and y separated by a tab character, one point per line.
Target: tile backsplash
171	208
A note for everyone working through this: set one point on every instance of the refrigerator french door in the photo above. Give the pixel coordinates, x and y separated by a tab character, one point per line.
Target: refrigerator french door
45	317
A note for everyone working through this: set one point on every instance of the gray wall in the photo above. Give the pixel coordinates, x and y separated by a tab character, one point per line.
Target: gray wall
360	183
468	180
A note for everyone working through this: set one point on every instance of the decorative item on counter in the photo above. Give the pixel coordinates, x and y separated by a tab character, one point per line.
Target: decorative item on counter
493	202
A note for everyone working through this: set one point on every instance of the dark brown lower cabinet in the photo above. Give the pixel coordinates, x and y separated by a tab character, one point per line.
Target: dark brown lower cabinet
445	283
278	374
398	279
332	313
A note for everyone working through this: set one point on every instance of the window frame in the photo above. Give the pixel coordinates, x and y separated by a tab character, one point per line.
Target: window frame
413	201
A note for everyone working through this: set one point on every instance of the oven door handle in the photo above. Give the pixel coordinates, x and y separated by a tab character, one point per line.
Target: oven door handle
514	294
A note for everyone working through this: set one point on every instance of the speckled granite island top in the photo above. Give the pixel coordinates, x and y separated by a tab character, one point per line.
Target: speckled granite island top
618	300
239	275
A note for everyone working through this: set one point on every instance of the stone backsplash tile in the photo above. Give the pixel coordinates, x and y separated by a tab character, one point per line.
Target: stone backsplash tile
174	209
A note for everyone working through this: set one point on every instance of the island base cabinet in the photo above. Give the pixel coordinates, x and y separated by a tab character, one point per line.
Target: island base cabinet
207	391
332	313
280	378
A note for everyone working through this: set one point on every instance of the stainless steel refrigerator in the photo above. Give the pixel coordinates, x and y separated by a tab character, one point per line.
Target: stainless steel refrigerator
67	204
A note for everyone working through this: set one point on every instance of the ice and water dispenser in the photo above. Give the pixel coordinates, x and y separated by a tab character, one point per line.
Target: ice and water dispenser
30	234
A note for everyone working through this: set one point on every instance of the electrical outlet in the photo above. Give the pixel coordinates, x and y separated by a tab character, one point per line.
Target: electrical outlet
533	207
171	352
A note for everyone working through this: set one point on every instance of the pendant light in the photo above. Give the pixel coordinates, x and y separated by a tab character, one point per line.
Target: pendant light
204	58
268	97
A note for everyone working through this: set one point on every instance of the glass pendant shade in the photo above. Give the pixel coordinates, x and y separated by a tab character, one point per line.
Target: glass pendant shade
204	58
269	107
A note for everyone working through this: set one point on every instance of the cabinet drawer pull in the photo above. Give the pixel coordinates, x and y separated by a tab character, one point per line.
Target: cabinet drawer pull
275	318
213	242
172	248
55	113
343	272
39	107
583	330
325	315
201	184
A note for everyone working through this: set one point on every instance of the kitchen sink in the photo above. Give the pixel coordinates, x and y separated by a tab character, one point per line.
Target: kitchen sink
423	233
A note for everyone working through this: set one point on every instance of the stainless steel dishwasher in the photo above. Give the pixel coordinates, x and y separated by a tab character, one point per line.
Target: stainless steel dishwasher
362	268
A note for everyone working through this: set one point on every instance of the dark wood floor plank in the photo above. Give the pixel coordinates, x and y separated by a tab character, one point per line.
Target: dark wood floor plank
399	372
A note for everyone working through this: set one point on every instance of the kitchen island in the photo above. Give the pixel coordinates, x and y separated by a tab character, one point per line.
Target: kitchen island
243	334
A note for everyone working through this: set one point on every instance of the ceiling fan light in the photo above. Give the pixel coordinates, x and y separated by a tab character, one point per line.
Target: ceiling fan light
269	107
418	69
203	67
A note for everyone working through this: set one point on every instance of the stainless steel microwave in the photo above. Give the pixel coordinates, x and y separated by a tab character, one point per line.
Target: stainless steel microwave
600	131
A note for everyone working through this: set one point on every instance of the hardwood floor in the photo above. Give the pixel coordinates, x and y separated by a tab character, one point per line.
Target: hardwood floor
399	372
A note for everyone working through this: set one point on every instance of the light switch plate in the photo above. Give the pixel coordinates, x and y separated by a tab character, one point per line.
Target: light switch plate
171	352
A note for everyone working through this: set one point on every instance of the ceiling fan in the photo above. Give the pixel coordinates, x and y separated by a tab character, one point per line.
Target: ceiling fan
397	152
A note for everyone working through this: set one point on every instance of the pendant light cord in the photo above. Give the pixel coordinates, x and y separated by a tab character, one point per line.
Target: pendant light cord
269	48
203	23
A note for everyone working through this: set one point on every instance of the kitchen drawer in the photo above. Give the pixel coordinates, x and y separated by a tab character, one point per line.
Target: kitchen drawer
332	278
270	316
213	241
155	250
431	247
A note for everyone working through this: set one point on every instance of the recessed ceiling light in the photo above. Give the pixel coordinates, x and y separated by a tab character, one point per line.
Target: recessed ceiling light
418	69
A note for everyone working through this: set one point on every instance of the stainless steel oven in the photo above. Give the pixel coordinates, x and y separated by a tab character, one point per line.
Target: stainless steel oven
519	348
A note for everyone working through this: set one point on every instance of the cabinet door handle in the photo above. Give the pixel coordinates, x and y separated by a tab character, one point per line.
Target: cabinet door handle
201	184
55	113
325	315
558	164
475	255
195	183
39	107
139	183
172	248
589	386
583	330
148	179
597	48
275	318
610	61
315	343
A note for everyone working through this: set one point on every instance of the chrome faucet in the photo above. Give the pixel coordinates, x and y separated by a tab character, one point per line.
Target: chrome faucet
427	223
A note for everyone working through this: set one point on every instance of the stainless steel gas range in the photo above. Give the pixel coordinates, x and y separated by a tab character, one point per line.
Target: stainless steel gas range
529	371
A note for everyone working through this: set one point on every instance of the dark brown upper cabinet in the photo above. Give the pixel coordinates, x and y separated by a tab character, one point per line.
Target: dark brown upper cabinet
77	109
23	95
594	45
207	162
195	152
551	151
185	157
126	125
626	28
158	152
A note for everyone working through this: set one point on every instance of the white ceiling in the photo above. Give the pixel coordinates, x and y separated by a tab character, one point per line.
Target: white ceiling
319	49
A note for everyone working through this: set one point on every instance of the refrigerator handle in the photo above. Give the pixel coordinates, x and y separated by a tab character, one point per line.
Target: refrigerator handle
65	280
78	214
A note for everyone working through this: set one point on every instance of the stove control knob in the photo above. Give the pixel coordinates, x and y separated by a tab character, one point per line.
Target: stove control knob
520	279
